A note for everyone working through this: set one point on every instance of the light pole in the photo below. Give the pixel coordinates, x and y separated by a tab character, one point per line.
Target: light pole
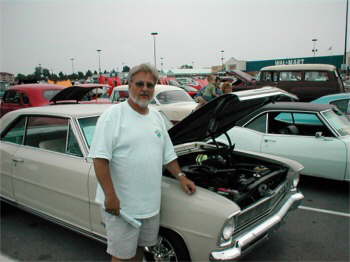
99	60
346	30
154	48
314	50
72	59
161	63
222	60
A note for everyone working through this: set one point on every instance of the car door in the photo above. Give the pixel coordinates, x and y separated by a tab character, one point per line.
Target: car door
50	174
298	136
11	140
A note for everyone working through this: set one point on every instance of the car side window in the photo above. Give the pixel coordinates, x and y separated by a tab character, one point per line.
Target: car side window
301	124
73	147
25	99
258	124
48	133
290	76
11	96
317	76
15	133
343	105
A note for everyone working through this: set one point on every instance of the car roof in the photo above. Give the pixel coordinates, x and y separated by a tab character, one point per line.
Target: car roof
329	98
68	110
92	85
36	86
157	88
299	67
302	106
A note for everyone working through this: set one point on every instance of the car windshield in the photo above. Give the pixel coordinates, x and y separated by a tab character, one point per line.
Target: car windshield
174	83
189	88
120	95
48	94
338	121
88	126
174	96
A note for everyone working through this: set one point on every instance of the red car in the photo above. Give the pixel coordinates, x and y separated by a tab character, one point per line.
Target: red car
28	95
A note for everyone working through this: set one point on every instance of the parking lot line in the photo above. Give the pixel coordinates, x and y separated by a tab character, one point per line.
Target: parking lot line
325	211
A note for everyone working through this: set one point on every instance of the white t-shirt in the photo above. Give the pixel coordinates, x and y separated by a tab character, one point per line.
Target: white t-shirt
137	146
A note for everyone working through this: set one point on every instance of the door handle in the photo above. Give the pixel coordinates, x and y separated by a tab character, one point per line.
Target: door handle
269	140
17	160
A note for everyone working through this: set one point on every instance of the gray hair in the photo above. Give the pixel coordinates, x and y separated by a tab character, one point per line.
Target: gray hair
145	68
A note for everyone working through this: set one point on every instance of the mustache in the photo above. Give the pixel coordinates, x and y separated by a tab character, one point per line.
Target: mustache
144	94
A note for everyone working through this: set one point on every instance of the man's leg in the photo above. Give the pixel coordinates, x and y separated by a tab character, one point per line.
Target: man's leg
137	258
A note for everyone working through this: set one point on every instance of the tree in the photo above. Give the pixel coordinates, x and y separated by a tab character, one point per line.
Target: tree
186	67
61	76
46	73
80	75
95	72
20	78
126	69
88	74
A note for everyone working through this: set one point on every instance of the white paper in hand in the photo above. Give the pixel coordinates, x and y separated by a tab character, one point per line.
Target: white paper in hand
132	221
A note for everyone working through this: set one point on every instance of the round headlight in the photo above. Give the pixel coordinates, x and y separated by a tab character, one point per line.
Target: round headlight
296	180
228	230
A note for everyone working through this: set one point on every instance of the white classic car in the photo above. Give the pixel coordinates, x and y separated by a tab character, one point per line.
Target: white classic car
241	196
173	101
315	135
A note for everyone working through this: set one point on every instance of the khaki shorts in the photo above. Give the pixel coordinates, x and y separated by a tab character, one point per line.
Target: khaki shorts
123	239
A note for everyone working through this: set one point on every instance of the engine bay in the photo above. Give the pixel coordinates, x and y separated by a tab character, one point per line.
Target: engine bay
241	179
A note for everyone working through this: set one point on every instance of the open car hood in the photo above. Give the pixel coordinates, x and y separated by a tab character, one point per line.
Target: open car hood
245	77
75	93
222	113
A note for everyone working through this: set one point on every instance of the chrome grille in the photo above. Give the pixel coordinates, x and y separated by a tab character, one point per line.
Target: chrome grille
260	209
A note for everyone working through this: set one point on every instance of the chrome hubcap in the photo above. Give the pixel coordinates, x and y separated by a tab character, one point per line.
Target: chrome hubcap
162	251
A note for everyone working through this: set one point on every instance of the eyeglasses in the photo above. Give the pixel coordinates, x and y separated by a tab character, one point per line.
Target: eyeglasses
141	84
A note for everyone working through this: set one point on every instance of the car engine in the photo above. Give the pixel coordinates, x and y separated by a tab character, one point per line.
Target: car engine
241	179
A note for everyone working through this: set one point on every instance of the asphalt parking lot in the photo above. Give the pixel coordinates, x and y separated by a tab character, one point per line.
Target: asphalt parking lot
318	231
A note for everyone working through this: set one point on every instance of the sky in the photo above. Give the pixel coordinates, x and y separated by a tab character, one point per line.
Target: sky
51	32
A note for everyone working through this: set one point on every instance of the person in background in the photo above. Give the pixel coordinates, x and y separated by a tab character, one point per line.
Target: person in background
209	92
226	88
129	149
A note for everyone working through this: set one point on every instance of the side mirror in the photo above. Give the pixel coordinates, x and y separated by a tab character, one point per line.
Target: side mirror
318	134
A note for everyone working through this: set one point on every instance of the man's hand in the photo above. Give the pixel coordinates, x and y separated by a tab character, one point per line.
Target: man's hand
112	205
187	185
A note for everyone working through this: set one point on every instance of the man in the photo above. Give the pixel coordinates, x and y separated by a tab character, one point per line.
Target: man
130	147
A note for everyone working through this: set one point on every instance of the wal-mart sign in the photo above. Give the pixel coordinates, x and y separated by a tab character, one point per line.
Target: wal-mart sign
289	61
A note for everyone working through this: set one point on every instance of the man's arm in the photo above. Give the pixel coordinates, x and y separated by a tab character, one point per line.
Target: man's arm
187	185
102	171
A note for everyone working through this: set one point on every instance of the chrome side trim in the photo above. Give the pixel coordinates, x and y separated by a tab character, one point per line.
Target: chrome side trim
256	233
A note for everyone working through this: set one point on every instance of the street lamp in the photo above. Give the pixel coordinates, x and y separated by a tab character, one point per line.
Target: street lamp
222	60
99	60
346	30
72	59
314	50
161	63
154	48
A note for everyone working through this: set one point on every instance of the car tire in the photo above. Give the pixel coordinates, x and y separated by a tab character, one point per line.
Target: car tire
170	247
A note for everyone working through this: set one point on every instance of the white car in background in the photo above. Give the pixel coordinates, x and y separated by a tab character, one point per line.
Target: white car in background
173	101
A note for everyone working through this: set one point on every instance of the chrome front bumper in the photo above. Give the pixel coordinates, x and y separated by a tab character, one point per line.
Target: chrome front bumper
257	233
